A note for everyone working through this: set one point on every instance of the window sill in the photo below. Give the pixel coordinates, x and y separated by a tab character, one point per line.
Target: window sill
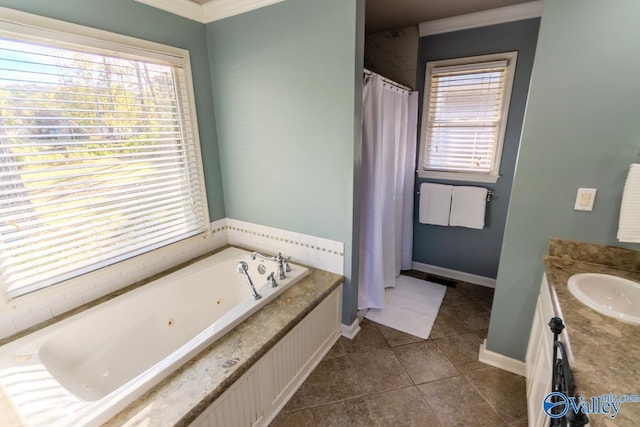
458	176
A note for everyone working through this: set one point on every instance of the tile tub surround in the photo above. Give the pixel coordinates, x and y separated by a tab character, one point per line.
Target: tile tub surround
46	306
604	353
315	251
107	297
181	397
304	249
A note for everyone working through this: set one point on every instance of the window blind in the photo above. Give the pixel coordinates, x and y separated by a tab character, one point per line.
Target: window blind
99	161
464	117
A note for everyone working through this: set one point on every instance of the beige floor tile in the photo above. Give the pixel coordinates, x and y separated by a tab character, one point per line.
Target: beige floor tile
303	418
352	413
395	337
482	334
450	392
505	391
486	302
424	362
475	290
379	370
476	293
462	350
454	296
369	338
296	402
457	403
473	315
337	350
331	381
404	407
447	324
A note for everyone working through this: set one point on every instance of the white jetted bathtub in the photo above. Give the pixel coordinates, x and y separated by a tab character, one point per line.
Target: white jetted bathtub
85	369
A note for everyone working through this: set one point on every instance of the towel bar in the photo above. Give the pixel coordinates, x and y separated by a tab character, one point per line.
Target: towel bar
489	195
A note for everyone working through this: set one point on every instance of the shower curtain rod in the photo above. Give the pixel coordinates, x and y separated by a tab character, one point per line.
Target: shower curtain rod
386	80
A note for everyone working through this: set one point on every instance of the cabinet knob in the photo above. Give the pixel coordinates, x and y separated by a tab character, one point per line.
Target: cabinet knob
556	325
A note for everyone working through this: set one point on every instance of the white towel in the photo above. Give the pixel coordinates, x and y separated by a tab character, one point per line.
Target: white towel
468	205
629	224
435	204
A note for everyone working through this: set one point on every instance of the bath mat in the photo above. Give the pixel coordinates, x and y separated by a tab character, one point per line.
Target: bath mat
410	307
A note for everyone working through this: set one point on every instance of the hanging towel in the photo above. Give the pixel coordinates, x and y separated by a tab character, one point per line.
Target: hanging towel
435	204
629	224
468	205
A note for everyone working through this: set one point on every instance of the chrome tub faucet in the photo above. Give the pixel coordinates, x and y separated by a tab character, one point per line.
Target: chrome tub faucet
242	268
283	263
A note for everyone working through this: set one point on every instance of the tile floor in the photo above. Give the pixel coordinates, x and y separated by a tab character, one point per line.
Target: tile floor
384	377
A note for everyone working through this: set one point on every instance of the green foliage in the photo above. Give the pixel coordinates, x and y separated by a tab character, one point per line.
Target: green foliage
100	107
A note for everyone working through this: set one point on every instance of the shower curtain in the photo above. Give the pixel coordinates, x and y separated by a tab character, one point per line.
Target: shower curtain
389	128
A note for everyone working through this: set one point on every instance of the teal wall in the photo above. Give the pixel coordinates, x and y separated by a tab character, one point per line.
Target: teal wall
283	82
581	129
137	20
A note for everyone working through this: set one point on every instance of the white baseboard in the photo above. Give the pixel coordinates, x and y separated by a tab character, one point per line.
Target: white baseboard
454	274
498	360
350	331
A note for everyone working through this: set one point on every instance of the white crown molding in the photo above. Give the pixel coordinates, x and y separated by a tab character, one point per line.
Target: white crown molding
208	12
185	8
482	19
220	9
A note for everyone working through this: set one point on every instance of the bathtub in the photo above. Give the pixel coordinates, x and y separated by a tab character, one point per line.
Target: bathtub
86	368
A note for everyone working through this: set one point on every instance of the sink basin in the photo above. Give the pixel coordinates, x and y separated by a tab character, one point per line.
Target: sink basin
609	295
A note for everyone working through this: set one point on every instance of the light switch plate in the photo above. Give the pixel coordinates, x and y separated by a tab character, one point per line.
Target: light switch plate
585	199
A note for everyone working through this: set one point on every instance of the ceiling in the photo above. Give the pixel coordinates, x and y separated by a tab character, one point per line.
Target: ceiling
383	15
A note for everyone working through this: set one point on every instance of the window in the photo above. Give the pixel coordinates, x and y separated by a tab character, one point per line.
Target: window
464	117
99	153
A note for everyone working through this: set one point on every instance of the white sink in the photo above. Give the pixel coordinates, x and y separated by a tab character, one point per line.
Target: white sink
609	295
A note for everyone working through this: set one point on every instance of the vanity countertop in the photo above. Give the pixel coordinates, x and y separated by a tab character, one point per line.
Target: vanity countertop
604	353
187	392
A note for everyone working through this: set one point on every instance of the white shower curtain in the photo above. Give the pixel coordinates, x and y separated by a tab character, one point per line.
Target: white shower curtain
389	127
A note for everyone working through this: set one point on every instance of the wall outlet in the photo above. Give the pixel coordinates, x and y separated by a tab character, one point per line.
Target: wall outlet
585	199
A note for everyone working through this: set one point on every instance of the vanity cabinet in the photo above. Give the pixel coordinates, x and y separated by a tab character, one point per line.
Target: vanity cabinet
538	360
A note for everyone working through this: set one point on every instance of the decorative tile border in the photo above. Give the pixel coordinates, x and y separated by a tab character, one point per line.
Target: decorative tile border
310	250
287	241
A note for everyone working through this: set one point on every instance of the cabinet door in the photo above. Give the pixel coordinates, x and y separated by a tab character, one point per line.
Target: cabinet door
538	359
535	339
539	381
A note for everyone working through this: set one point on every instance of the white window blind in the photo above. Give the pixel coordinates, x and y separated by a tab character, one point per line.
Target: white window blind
464	117
99	160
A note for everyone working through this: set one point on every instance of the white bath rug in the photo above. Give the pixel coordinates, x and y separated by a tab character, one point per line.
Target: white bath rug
410	307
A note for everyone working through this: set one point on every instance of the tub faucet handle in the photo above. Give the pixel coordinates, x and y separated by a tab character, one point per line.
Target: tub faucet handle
242	268
285	262
281	266
271	280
